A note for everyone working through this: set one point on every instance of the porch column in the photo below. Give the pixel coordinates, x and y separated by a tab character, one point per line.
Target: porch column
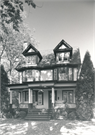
53	96
29	94
19	97
10	97
31	99
74	95
30	104
10	101
20	74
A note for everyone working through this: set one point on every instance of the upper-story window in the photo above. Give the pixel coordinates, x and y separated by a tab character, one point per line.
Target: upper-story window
32	55
31	60
75	75
63	52
63	73
70	72
67	74
31	75
62	57
55	74
46	75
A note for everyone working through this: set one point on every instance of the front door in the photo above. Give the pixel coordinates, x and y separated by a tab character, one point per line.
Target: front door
50	99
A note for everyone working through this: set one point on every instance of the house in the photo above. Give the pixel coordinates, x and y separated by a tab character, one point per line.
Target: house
47	84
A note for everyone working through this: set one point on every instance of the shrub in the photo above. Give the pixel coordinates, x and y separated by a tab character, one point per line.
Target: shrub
72	116
22	114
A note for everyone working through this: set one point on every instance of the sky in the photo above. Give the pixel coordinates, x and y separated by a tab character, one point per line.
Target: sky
70	20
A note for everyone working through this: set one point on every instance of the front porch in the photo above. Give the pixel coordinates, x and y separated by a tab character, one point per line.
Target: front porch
45	98
39	99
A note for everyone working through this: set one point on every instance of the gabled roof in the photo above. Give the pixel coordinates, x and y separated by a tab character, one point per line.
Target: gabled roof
49	61
66	48
34	51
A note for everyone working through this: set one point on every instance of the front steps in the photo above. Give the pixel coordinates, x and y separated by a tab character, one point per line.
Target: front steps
39	115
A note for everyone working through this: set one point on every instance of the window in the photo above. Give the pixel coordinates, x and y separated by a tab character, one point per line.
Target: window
63	73
67	96
70	74
46	75
38	97
55	74
56	95
20	96
26	95
31	60
32	75
62	56
66	55
75	74
29	75
24	79
35	96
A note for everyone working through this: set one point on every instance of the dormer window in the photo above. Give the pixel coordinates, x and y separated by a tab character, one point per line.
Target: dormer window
33	56
67	56
63	52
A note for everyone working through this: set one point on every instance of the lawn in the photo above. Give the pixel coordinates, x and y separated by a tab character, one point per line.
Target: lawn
53	127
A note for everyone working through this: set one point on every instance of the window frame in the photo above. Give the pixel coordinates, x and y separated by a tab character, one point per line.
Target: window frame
26	97
68	97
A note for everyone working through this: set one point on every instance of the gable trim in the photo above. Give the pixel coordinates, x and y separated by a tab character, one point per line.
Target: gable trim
62	43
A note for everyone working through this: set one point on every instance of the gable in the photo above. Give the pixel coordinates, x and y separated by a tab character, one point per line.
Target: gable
31	50
64	46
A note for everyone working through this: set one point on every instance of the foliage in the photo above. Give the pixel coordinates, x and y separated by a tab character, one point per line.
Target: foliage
76	57
48	60
4	92
20	114
10	11
84	91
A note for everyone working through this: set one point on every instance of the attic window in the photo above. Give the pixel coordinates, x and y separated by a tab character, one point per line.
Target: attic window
66	56
60	57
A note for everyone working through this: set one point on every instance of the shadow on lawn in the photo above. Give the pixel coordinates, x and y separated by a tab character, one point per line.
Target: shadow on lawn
55	127
15	127
78	127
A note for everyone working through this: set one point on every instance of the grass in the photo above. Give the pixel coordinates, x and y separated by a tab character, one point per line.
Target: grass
53	127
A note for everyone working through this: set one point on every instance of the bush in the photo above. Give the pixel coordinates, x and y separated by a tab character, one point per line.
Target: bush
22	114
7	115
72	116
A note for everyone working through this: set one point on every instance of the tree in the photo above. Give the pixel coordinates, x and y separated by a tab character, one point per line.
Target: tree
10	14
4	91
10	11
85	89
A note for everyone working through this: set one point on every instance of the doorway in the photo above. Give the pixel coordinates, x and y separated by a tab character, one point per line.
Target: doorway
50	99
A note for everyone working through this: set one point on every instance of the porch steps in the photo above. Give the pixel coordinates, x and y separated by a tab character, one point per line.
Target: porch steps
38	115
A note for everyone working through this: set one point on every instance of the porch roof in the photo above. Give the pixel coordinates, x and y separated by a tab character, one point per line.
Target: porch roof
43	85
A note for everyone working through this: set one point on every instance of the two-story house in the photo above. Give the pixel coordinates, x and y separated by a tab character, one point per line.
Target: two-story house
46	85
